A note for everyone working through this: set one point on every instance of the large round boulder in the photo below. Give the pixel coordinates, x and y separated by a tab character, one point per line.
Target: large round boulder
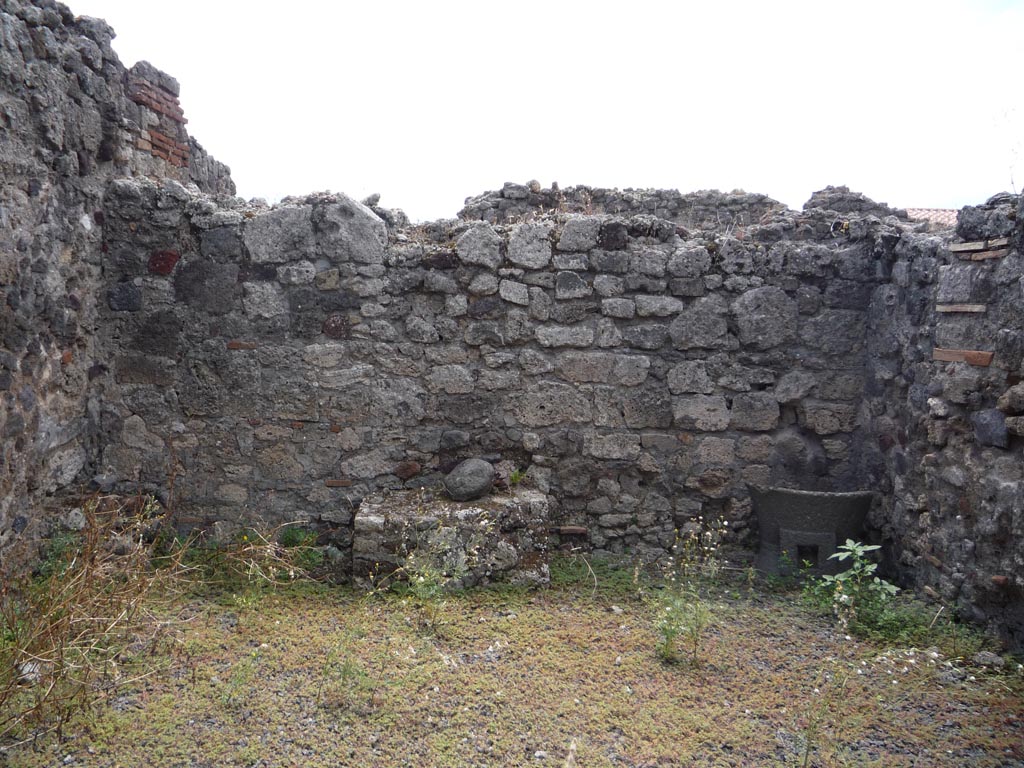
470	480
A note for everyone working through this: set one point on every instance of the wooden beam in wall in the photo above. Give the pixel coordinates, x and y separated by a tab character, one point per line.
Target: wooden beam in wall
982	255
979	250
976	357
960	307
962	247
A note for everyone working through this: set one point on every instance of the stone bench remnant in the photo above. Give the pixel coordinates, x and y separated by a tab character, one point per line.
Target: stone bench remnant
500	538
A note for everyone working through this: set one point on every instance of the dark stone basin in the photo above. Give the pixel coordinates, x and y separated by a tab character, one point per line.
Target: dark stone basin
807	526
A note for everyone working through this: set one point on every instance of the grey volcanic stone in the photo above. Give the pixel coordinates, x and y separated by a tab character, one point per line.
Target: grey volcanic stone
480	245
765	317
702	325
689	262
569	285
530	246
348	231
990	428
579	234
690	376
470	480
125	297
280	235
1012	400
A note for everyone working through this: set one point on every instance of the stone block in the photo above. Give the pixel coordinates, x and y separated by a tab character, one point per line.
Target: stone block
471	479
480	245
645	336
451	379
716	452
456	306
688	287
754	412
579	234
572	261
207	286
516	293
135	434
264	300
649	262
125	297
421	330
300	273
702	325
707	413
569	285
990	428
484	284
838	333
829	418
615	262
647	406
613	236
765	317
690	261
281	234
221	243
690	376
658	306
349	231
530	246
549	403
587	366
278	463
956	284
794	385
608	334
624	309
328	279
755	448
608	286
564	336
620	446
630	370
540	304
1012	400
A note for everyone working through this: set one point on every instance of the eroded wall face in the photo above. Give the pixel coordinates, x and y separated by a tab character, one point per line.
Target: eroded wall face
946	434
643	355
285	363
71	118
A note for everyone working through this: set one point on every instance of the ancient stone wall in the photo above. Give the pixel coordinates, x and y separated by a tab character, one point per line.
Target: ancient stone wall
69	122
943	413
288	362
642	356
708	209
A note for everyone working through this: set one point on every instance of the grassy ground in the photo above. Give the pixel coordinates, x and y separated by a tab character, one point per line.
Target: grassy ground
309	675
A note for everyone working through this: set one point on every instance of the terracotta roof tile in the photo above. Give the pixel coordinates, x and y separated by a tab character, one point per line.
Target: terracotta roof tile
944	217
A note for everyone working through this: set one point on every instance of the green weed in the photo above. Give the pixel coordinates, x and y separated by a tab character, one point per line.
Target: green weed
858	598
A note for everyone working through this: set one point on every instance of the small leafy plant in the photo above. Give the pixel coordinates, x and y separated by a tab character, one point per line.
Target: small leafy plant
683	611
857	597
683	618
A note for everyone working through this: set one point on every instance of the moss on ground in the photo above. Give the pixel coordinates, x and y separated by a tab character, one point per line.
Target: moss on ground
306	675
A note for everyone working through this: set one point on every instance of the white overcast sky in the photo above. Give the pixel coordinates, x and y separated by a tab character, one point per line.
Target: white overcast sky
918	104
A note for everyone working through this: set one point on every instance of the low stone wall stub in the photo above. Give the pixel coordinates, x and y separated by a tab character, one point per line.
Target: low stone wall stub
500	538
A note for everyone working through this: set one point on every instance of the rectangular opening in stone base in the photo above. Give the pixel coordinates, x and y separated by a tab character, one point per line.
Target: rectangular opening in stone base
808	549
